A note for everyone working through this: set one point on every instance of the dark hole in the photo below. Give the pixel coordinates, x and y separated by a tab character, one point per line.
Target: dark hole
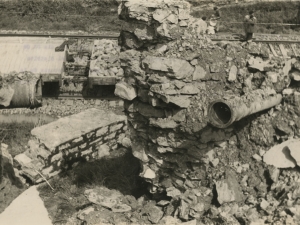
103	91
222	112
50	89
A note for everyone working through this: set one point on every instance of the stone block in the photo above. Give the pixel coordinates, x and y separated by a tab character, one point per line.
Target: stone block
116	127
125	91
56	157
101	131
22	159
103	150
111	136
64	146
83	146
174	68
96	141
112	104
73	150
87	152
71	127
77	140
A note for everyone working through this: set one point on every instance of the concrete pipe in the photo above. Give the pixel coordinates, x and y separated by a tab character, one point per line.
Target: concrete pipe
223	113
25	94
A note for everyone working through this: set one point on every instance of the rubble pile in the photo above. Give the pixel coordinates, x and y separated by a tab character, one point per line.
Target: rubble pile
196	171
105	59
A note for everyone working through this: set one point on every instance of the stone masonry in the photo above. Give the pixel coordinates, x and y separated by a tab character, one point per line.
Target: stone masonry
172	73
89	135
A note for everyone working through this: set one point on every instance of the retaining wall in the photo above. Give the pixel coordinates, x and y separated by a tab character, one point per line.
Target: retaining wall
59	145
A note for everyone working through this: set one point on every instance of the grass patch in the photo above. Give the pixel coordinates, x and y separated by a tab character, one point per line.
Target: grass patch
58	15
16	136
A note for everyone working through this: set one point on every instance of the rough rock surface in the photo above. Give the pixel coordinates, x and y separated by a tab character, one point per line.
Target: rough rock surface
229	190
207	174
107	198
105	60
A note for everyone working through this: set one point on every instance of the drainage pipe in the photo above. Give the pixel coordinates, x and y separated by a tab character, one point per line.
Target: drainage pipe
223	113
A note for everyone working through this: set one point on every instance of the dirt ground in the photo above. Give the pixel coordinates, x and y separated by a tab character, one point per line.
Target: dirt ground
67	196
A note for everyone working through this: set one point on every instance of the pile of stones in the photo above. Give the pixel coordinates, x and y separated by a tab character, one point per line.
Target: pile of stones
105	59
172	74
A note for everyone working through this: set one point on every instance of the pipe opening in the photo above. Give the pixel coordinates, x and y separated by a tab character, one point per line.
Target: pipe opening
221	113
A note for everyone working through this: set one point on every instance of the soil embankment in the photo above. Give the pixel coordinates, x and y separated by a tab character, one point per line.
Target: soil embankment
92	16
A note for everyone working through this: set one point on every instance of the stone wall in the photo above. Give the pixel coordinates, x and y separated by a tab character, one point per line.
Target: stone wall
172	74
59	145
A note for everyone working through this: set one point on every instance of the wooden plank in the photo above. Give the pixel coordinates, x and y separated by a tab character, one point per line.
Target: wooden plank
294	49
273	51
283	51
102	81
51	78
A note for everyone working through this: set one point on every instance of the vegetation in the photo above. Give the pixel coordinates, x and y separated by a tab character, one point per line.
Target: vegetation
101	15
265	12
51	15
16	136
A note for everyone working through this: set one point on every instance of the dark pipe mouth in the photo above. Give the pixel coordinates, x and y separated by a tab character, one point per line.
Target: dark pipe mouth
220	114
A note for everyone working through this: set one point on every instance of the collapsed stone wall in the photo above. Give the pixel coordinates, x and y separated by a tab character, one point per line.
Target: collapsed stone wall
59	145
172	74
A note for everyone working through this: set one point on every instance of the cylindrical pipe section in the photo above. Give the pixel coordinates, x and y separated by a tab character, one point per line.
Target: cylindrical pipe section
25	93
222	113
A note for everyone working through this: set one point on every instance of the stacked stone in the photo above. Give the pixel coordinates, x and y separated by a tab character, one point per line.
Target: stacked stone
166	100
152	22
61	144
172	73
105	59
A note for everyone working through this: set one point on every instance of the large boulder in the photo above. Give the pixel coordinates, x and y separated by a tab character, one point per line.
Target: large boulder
174	68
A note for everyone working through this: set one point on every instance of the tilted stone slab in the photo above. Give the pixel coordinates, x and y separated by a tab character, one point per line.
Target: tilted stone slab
71	127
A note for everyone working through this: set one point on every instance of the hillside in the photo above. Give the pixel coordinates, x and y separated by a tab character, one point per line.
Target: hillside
101	15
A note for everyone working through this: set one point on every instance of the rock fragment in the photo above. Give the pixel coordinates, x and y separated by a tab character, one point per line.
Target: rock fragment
125	91
229	189
294	148
280	156
107	198
175	68
232	73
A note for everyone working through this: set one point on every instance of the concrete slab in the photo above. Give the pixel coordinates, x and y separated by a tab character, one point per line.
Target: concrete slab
27	209
71	127
36	55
